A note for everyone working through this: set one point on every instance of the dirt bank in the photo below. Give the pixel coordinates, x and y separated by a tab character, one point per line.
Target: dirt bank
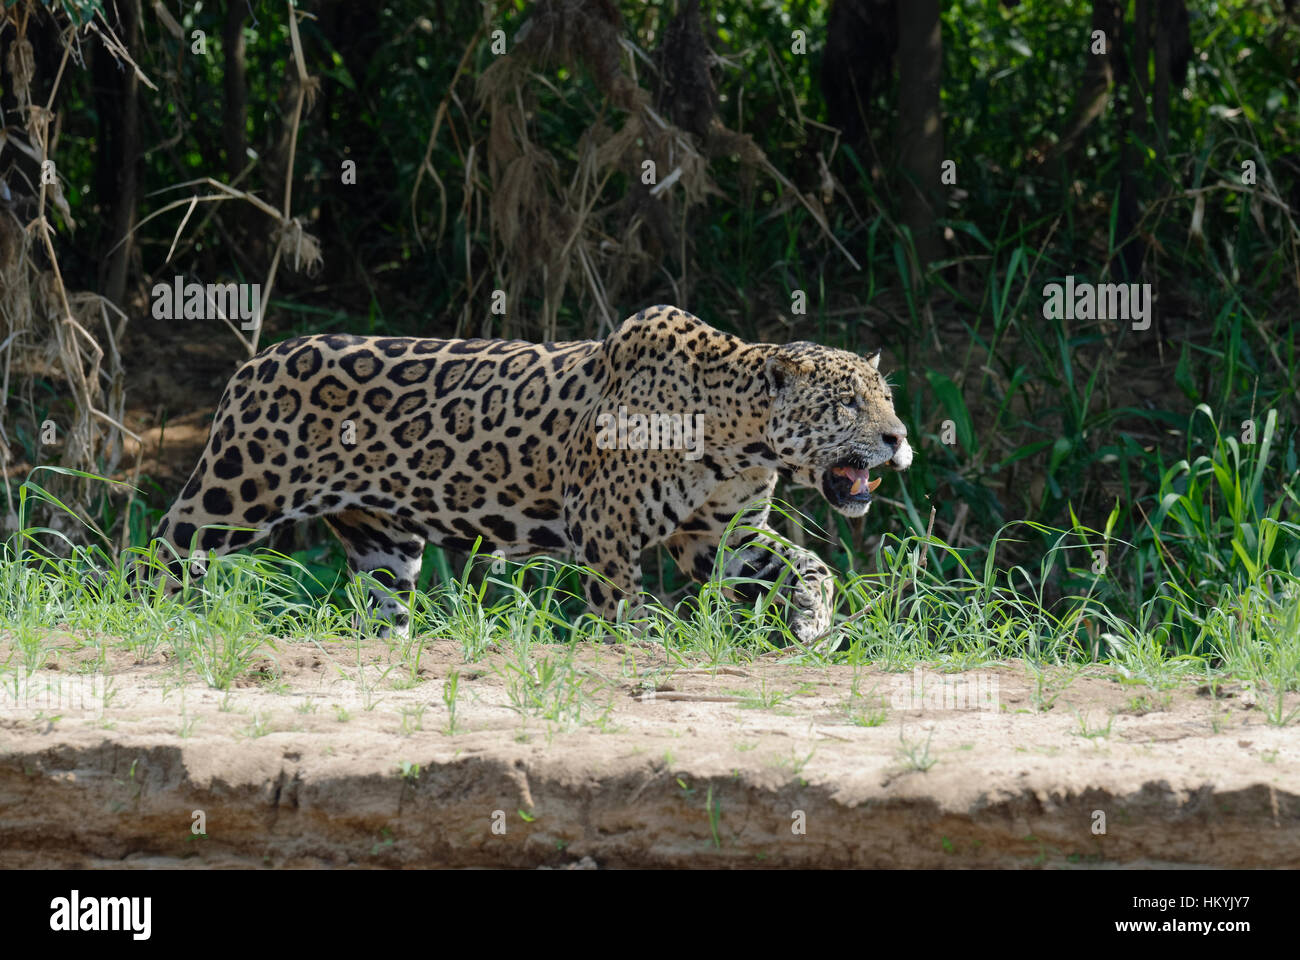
339	755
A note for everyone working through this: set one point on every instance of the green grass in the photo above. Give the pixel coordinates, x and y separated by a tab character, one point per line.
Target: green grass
1237	615
1078	521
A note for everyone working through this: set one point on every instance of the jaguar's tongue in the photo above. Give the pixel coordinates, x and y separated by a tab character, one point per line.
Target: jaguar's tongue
861	480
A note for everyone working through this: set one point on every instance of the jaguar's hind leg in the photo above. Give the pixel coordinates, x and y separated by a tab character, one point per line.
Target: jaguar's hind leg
194	529
390	550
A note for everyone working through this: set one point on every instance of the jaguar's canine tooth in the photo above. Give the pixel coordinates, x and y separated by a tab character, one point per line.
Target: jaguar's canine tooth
861	479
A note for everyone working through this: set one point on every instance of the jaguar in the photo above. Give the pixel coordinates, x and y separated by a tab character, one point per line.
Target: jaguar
573	449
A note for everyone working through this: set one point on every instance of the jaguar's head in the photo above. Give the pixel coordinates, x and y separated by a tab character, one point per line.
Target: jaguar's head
832	422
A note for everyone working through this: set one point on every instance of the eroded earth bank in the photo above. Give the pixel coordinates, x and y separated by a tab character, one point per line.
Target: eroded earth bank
339	754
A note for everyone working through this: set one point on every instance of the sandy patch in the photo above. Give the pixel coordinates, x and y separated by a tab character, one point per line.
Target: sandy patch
341	755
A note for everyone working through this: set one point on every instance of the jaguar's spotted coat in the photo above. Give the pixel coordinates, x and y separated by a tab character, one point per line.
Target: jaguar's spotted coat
400	441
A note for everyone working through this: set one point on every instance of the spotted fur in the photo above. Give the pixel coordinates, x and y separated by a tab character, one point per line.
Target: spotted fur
398	442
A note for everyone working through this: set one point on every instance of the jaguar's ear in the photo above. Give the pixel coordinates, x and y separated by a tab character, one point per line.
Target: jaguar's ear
782	364
874	360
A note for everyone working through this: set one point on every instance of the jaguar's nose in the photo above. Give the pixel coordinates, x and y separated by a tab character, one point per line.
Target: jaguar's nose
893	436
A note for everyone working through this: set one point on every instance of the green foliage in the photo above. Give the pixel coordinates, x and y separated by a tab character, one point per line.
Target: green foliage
1125	441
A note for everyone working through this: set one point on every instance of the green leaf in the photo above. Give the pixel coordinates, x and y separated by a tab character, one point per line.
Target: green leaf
955	406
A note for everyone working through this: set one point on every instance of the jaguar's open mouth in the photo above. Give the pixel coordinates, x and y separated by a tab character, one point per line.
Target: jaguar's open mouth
849	482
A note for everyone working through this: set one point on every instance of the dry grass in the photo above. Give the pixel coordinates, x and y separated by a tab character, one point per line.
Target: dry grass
581	227
70	340
46	333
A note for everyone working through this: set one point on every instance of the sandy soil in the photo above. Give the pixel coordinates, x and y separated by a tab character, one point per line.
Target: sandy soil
333	755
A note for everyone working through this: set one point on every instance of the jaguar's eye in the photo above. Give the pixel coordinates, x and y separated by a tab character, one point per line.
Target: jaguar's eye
851	404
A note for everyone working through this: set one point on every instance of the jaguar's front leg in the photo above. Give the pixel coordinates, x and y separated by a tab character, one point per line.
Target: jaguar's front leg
611	591
807	585
612	580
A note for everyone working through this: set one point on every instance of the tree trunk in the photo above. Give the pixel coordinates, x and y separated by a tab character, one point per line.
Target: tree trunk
1164	79
234	116
1093	97
123	158
920	122
1141	69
